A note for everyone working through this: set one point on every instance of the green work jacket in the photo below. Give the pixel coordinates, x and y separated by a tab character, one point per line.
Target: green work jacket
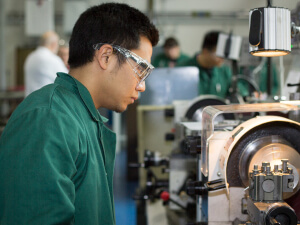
262	78
217	82
57	160
162	60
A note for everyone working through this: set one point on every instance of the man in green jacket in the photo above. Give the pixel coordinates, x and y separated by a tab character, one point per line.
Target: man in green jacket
56	154
171	56
214	76
261	77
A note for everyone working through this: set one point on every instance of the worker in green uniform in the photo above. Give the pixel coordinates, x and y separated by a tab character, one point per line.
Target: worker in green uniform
56	153
214	76
261	77
171	55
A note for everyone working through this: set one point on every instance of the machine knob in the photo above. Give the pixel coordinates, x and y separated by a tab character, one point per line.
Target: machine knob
170	137
169	112
165	196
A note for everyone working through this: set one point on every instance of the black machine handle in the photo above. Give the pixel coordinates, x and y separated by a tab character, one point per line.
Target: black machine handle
293	85
215	185
201	188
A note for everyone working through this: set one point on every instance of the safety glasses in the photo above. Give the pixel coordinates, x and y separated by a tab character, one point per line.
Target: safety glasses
140	66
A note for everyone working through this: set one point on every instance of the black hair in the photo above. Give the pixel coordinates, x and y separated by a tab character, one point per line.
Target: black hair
170	43
111	23
210	40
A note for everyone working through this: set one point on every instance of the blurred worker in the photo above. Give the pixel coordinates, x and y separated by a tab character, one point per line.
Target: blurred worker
63	53
171	55
260	75
42	64
214	75
56	154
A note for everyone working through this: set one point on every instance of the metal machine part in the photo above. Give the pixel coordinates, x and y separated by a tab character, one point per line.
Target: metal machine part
279	213
228	155
211	112
295	115
195	108
265	204
151	159
294	29
189	112
192	145
268	148
269	141
267	185
154	185
182	168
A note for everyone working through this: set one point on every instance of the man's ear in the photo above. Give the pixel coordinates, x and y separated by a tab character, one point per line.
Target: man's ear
103	55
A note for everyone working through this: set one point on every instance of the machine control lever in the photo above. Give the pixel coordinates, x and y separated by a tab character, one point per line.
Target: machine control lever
292	85
202	188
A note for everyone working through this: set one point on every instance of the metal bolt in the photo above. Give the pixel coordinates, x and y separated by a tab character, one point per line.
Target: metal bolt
268	170
255	170
284	165
219	174
275	168
265	164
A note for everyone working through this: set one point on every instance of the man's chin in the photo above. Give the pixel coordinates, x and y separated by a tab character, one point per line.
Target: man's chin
120	109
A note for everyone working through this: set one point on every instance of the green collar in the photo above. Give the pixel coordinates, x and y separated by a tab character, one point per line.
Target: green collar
71	83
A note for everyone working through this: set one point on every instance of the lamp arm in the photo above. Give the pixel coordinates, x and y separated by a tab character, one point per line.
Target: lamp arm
294	29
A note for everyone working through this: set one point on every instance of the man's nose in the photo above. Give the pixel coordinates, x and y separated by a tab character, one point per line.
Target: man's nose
141	87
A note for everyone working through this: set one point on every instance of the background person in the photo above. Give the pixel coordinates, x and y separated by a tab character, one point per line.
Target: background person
214	76
171	55
63	53
43	63
56	154
260	75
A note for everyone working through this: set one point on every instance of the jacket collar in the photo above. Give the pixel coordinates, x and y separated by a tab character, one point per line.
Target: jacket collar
71	83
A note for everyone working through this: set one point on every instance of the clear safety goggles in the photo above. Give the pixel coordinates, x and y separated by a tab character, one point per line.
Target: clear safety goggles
140	66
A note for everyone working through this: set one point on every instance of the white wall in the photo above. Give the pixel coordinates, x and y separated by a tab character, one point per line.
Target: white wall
188	30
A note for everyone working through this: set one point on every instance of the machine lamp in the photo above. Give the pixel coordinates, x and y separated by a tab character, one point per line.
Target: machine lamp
270	31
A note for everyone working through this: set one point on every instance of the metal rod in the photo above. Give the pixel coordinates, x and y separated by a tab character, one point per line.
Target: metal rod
269	75
2	47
